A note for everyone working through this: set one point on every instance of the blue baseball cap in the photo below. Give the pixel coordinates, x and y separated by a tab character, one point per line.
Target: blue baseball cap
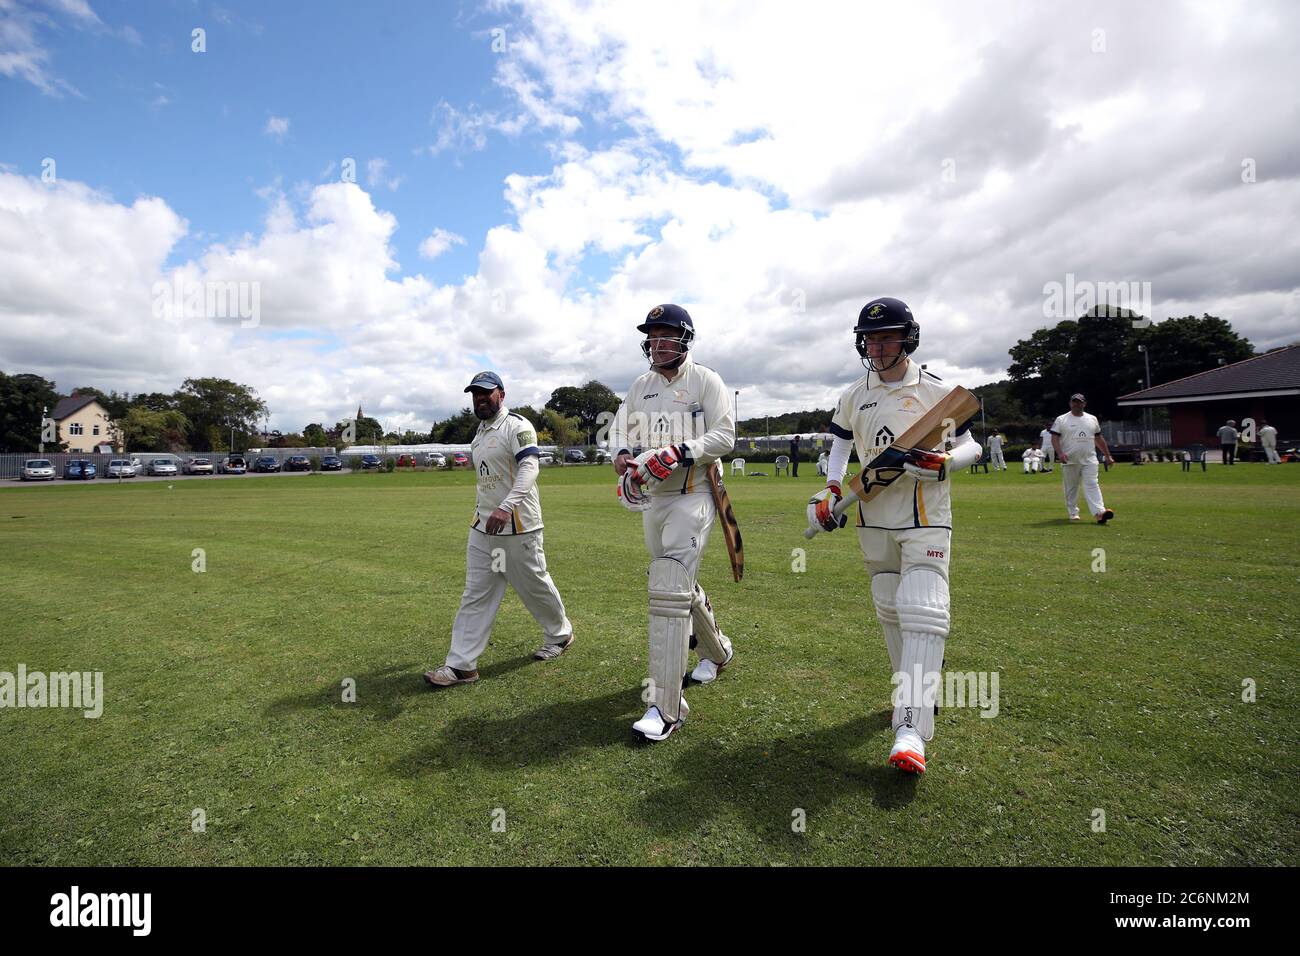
486	381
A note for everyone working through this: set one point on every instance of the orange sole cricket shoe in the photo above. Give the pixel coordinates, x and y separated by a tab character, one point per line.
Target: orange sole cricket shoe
908	762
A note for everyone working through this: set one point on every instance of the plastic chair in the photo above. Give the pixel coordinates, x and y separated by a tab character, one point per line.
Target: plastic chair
737	465
782	461
1194	453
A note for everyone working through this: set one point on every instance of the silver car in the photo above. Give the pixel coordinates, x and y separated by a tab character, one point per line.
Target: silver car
121	468
162	466
199	466
38	469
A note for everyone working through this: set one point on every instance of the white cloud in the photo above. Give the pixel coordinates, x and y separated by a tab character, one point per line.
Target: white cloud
277	127
376	170
438	242
772	173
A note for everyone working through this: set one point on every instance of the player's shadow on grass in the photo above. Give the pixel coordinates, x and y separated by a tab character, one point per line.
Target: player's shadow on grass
548	735
768	782
382	692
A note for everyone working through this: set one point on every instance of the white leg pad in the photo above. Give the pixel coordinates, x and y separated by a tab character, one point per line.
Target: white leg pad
711	644
923	619
884	588
671	596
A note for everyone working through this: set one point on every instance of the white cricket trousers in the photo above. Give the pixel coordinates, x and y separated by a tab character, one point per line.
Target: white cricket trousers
1075	472
491	562
677	526
1270	453
995	458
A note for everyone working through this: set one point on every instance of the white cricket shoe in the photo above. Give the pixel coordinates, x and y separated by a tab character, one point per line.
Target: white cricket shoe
655	726
706	671
908	754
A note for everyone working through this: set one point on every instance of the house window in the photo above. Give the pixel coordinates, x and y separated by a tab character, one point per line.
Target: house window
96	430
76	429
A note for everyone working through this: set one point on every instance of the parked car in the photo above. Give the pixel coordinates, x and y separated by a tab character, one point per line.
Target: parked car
266	463
460	460
297	463
602	457
369	461
435	459
405	461
162	466
80	469
234	465
38	469
199	466
545	458
331	463
121	468
575	456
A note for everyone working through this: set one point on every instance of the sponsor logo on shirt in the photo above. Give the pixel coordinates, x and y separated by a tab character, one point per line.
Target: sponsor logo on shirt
884	436
863	408
651	395
931	553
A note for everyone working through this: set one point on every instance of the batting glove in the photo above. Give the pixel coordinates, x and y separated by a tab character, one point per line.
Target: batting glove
661	465
926	465
821	509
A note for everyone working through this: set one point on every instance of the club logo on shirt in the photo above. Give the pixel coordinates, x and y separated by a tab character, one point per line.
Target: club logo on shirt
680	396
884	436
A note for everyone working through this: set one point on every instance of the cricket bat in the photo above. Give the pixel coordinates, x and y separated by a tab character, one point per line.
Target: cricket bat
937	424
730	530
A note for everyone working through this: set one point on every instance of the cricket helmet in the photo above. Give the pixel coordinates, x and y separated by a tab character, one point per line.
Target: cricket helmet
881	315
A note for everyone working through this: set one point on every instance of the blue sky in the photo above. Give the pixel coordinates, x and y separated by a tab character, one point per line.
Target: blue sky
594	159
354	80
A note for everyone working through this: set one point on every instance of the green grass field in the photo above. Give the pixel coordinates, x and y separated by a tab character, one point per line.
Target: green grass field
1120	691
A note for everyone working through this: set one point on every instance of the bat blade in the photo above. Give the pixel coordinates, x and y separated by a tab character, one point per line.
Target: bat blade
938	422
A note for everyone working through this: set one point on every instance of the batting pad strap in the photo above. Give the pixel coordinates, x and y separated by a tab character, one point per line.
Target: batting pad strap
922	600
671	595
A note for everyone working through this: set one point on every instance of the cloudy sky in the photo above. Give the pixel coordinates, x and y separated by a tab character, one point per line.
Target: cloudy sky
410	192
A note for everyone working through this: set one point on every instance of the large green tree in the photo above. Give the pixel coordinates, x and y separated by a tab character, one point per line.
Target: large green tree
146	430
219	403
1098	355
22	399
585	404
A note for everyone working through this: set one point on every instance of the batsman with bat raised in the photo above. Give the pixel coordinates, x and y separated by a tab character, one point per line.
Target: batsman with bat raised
911	432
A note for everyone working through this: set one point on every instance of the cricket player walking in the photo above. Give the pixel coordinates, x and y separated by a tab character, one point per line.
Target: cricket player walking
1076	439
680	412
905	531
995	452
505	539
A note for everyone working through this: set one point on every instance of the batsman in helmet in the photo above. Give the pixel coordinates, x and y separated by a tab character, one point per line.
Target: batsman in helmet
905	531
675	422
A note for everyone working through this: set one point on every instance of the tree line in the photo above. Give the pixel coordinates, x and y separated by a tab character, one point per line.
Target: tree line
1096	354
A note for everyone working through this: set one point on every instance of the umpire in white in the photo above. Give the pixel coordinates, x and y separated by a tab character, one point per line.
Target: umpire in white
505	539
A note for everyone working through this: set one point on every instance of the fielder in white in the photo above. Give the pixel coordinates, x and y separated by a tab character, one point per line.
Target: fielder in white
1076	439
995	452
1268	442
505	539
1032	460
680	414
1048	450
905	532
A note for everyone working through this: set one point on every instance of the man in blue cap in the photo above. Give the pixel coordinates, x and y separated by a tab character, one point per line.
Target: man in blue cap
505	539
